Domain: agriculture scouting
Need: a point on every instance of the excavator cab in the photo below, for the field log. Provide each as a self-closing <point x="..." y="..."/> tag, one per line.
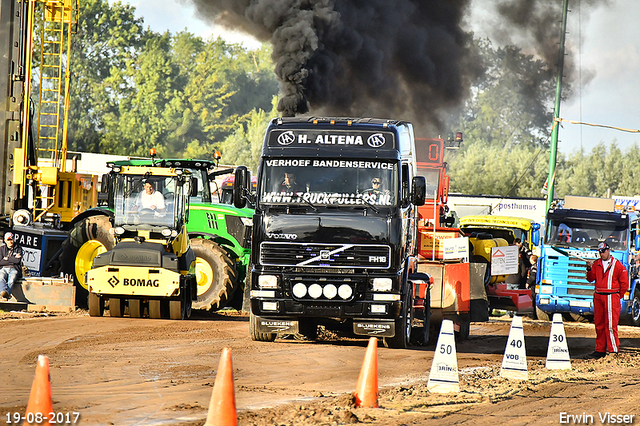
<point x="152" y="266"/>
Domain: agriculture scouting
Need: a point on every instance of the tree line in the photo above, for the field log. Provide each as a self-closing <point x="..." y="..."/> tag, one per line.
<point x="133" y="89"/>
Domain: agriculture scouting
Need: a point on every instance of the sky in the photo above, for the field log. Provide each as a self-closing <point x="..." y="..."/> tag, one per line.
<point x="607" y="46"/>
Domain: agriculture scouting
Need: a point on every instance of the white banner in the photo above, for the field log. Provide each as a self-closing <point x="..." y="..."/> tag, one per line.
<point x="504" y="260"/>
<point x="456" y="248"/>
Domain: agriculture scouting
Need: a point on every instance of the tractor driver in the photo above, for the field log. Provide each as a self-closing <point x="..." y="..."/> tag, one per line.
<point x="150" y="199"/>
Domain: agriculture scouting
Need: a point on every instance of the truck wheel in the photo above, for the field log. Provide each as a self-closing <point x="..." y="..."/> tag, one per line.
<point x="216" y="276"/>
<point x="135" y="308"/>
<point x="634" y="317"/>
<point x="96" y="305"/>
<point x="402" y="325"/>
<point x="256" y="335"/>
<point x="463" y="333"/>
<point x="421" y="335"/>
<point x="88" y="238"/>
<point x="542" y="315"/>
<point x="116" y="307"/>
<point x="426" y="322"/>
<point x="308" y="329"/>
<point x="578" y="318"/>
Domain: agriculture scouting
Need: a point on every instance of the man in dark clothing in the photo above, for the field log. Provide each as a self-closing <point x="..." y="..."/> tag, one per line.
<point x="10" y="261"/>
<point x="289" y="184"/>
<point x="611" y="283"/>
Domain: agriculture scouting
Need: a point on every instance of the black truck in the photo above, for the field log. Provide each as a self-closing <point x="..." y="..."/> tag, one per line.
<point x="335" y="229"/>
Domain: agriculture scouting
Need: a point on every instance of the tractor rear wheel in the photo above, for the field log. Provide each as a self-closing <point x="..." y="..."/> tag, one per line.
<point x="216" y="276"/>
<point x="88" y="238"/>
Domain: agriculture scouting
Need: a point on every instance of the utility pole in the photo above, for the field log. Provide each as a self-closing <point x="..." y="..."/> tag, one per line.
<point x="556" y="109"/>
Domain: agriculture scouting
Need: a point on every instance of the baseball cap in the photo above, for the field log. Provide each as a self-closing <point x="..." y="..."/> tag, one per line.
<point x="603" y="246"/>
<point x="8" y="235"/>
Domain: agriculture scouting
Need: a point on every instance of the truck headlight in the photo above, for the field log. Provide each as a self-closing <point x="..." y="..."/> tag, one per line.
<point x="315" y="290"/>
<point x="269" y="306"/>
<point x="378" y="309"/>
<point x="267" y="281"/>
<point x="546" y="289"/>
<point x="386" y="297"/>
<point x="299" y="290"/>
<point x="345" y="291"/>
<point x="330" y="291"/>
<point x="382" y="284"/>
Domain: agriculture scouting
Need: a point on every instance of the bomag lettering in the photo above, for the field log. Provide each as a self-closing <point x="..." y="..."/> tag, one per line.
<point x="140" y="282"/>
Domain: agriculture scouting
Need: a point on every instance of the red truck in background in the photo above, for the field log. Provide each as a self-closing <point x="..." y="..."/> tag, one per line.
<point x="457" y="291"/>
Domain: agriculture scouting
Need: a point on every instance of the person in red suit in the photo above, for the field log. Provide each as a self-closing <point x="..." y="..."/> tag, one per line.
<point x="611" y="283"/>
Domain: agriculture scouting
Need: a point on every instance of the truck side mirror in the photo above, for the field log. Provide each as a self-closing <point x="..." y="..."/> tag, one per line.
<point x="193" y="187"/>
<point x="418" y="190"/>
<point x="535" y="234"/>
<point x="240" y="187"/>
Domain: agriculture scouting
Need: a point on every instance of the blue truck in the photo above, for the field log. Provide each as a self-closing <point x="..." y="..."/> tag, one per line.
<point x="573" y="232"/>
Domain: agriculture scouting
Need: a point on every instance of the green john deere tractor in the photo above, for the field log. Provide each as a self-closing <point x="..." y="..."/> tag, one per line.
<point x="219" y="236"/>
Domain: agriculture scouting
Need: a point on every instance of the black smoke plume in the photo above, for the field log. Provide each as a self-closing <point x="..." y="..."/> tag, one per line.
<point x="535" y="25"/>
<point x="358" y="57"/>
<point x="406" y="58"/>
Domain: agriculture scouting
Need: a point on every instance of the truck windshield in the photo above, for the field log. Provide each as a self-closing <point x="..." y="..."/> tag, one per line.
<point x="329" y="182"/>
<point x="581" y="233"/>
<point x="145" y="201"/>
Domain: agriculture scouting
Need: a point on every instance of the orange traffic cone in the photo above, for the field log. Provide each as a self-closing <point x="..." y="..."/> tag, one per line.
<point x="40" y="404"/>
<point x="222" y="408"/>
<point x="367" y="387"/>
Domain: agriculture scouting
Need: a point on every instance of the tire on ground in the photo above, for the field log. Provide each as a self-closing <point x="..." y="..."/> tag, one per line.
<point x="256" y="335"/>
<point x="465" y="328"/>
<point x="216" y="276"/>
<point x="542" y="315"/>
<point x="88" y="238"/>
<point x="634" y="317"/>
<point x="402" y="337"/>
<point x="308" y="329"/>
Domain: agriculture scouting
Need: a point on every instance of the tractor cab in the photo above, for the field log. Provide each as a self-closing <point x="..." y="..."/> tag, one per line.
<point x="155" y="200"/>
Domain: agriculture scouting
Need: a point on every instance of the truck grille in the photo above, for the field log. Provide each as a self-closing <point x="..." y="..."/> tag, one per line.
<point x="313" y="255"/>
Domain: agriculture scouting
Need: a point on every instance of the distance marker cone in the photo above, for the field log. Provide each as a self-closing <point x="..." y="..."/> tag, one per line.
<point x="444" y="376"/>
<point x="367" y="387"/>
<point x="514" y="361"/>
<point x="222" y="408"/>
<point x="40" y="403"/>
<point x="558" y="350"/>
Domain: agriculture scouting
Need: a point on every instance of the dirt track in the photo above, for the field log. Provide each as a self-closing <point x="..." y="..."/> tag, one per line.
<point x="121" y="371"/>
